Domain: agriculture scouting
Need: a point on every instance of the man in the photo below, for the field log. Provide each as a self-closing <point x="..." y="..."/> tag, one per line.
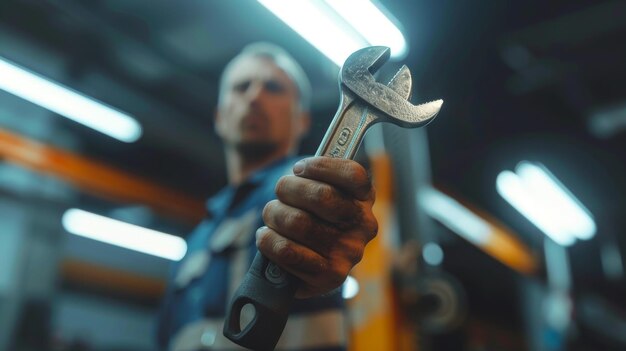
<point x="314" y="222"/>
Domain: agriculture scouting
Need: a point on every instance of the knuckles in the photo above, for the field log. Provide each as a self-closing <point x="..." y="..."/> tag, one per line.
<point x="286" y="219"/>
<point x="330" y="277"/>
<point x="285" y="252"/>
<point x="355" y="172"/>
<point x="321" y="193"/>
<point x="350" y="253"/>
<point x="336" y="277"/>
<point x="281" y="185"/>
<point x="277" y="247"/>
<point x="295" y="220"/>
<point x="344" y="228"/>
<point x="371" y="228"/>
<point x="356" y="255"/>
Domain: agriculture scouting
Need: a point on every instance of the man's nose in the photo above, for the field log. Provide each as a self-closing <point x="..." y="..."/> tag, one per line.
<point x="255" y="91"/>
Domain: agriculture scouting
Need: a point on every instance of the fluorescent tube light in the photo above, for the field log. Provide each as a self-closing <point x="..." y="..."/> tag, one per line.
<point x="371" y="23"/>
<point x="68" y="103"/>
<point x="338" y="28"/>
<point x="123" y="234"/>
<point x="557" y="200"/>
<point x="455" y="216"/>
<point x="512" y="189"/>
<point x="541" y="198"/>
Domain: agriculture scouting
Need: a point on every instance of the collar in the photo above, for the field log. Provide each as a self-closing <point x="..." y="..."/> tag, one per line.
<point x="217" y="203"/>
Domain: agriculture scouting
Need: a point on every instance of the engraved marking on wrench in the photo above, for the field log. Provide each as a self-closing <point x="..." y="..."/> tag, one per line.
<point x="343" y="136"/>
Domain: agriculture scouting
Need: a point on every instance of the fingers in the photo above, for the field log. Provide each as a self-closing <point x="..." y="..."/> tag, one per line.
<point x="316" y="252"/>
<point x="302" y="227"/>
<point x="321" y="199"/>
<point x="325" y="239"/>
<point x="319" y="225"/>
<point x="287" y="253"/>
<point x="347" y="175"/>
<point x="317" y="273"/>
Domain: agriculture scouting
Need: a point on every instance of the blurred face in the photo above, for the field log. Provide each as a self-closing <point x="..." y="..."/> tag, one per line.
<point x="259" y="110"/>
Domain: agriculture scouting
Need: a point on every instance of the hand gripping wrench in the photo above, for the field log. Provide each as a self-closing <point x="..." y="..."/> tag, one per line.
<point x="363" y="102"/>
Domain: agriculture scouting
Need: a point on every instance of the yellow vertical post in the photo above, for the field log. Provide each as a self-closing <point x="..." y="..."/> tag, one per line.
<point x="374" y="321"/>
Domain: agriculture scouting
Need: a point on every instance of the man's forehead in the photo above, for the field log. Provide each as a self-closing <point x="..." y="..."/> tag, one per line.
<point x="257" y="68"/>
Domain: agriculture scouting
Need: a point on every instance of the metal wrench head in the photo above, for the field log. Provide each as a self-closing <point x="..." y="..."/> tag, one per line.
<point x="356" y="75"/>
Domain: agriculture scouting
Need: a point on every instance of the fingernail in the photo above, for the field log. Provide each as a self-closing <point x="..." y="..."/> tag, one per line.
<point x="298" y="168"/>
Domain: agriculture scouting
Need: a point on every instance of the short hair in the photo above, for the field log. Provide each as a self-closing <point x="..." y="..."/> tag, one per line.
<point x="281" y="58"/>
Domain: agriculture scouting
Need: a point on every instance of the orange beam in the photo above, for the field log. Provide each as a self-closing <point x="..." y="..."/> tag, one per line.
<point x="503" y="244"/>
<point x="108" y="279"/>
<point x="505" y="247"/>
<point x="96" y="178"/>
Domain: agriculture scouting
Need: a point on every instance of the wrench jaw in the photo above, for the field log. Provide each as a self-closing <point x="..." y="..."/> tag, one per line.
<point x="355" y="115"/>
<point x="356" y="76"/>
<point x="362" y="64"/>
<point x="428" y="111"/>
<point x="422" y="114"/>
<point x="402" y="82"/>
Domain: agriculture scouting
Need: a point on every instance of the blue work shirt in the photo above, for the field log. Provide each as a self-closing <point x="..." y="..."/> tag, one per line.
<point x="219" y="252"/>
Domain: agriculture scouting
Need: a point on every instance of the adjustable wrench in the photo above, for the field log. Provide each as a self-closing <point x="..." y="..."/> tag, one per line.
<point x="364" y="102"/>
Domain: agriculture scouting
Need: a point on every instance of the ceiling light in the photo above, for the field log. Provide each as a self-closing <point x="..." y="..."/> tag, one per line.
<point x="338" y="28"/>
<point x="68" y="103"/>
<point x="557" y="200"/>
<point x="541" y="198"/>
<point x="367" y="19"/>
<point x="123" y="234"/>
